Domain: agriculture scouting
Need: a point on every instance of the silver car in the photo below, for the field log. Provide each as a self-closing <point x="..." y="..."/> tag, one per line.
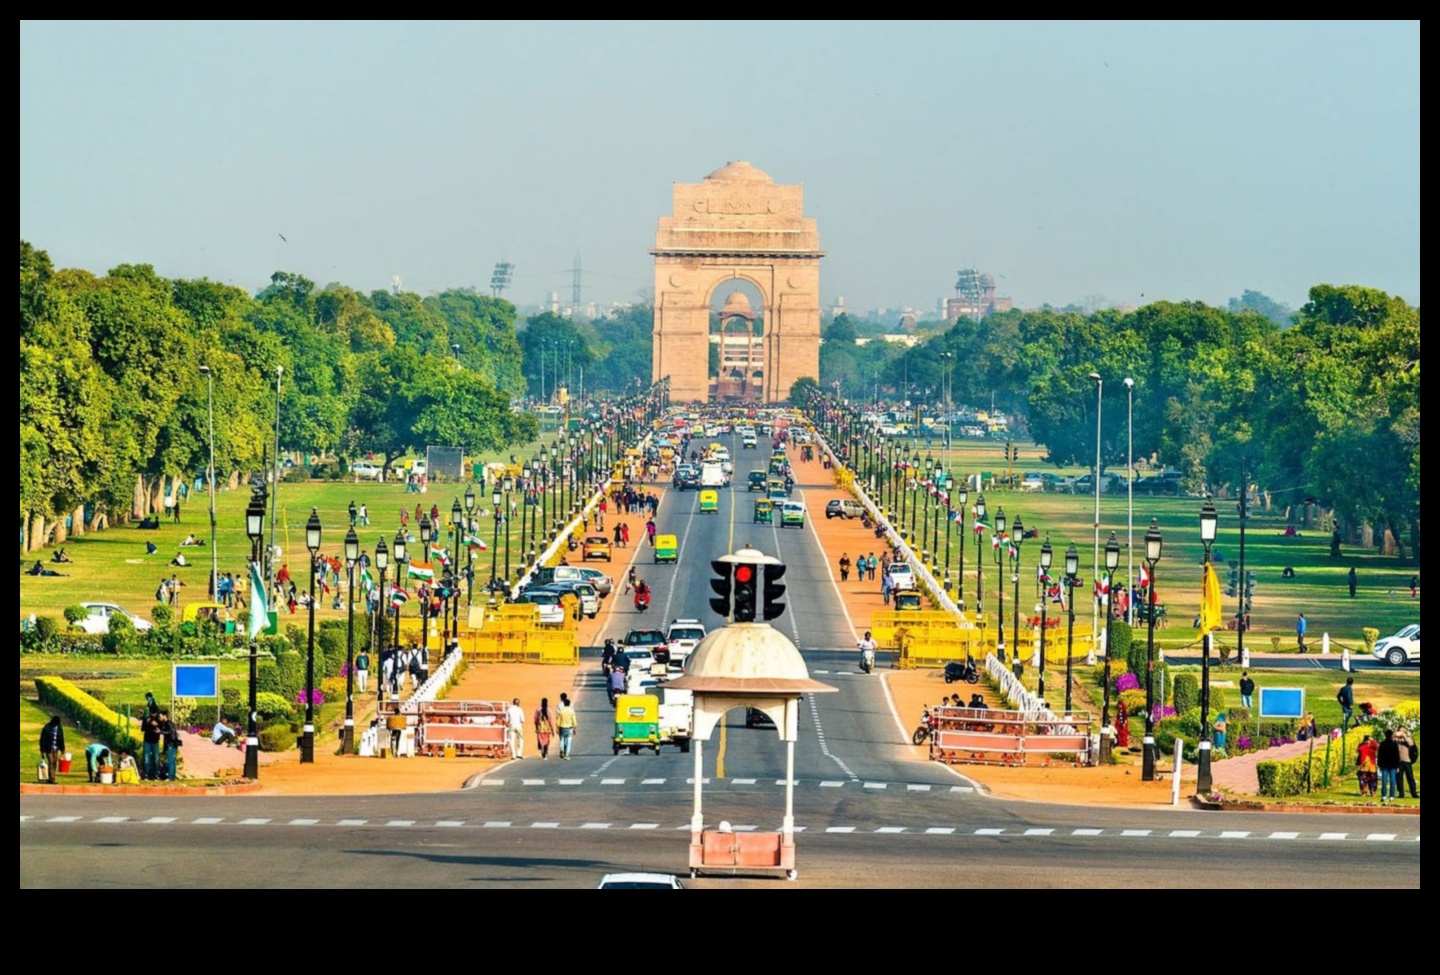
<point x="601" y="582"/>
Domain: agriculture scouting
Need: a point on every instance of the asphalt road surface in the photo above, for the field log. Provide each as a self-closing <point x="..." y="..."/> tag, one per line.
<point x="867" y="817"/>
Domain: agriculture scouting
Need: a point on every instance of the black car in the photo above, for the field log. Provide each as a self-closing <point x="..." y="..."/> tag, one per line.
<point x="756" y="481"/>
<point x="687" y="478"/>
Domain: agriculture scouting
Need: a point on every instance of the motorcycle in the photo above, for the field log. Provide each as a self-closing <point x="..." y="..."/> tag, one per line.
<point x="925" y="729"/>
<point x="967" y="672"/>
<point x="642" y="600"/>
<point x="867" y="659"/>
<point x="607" y="657"/>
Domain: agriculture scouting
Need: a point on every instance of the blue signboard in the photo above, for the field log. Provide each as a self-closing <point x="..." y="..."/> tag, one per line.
<point x="195" y="680"/>
<point x="1282" y="702"/>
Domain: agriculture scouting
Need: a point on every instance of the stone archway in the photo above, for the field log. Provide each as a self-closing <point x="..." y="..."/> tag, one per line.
<point x="736" y="224"/>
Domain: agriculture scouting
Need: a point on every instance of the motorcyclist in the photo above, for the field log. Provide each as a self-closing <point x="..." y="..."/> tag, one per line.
<point x="867" y="646"/>
<point x="617" y="682"/>
<point x="642" y="595"/>
<point x="607" y="656"/>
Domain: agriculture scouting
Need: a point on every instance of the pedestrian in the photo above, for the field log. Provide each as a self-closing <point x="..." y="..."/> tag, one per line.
<point x="362" y="670"/>
<point x="1367" y="769"/>
<point x="515" y="721"/>
<point x="885" y="588"/>
<point x="1220" y="729"/>
<point x="52" y="746"/>
<point x="870" y="565"/>
<point x="624" y="534"/>
<point x="170" y="743"/>
<point x="364" y="514"/>
<point x="567" y="723"/>
<point x="1351" y="579"/>
<point x="354" y="513"/>
<point x="1300" y="628"/>
<point x="1409" y="755"/>
<point x="150" y="746"/>
<point x="96" y="755"/>
<point x="1247" y="689"/>
<point x="844" y="567"/>
<point x="650" y="531"/>
<point x="1414" y="586"/>
<point x="544" y="727"/>
<point x="404" y="516"/>
<point x="1346" y="697"/>
<point x="1387" y="757"/>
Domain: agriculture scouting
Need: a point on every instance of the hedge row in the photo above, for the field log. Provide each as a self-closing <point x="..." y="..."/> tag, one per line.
<point x="1323" y="762"/>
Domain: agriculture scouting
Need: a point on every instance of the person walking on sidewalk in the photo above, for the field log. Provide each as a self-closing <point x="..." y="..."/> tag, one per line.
<point x="1409" y="755"/>
<point x="52" y="746"/>
<point x="515" y="721"/>
<point x="1247" y="688"/>
<point x="567" y="723"/>
<point x="544" y="727"/>
<point x="845" y="567"/>
<point x="1387" y="757"/>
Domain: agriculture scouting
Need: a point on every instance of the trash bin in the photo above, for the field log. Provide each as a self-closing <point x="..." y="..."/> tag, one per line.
<point x="65" y="763"/>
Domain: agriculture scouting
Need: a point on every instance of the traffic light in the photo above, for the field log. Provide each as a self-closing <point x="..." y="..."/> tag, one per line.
<point x="720" y="602"/>
<point x="1012" y="453"/>
<point x="772" y="592"/>
<point x="744" y="577"/>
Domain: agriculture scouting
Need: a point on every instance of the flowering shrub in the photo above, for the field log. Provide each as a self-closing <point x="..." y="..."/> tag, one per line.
<point x="1244" y="743"/>
<point x="317" y="697"/>
<point x="1162" y="711"/>
<point x="1127" y="682"/>
<point x="1277" y="741"/>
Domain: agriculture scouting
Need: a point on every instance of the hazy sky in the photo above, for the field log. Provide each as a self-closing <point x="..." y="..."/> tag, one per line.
<point x="1172" y="160"/>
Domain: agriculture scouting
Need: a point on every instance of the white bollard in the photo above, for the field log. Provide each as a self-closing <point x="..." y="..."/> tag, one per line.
<point x="1324" y="643"/>
<point x="1245" y="657"/>
<point x="1175" y="775"/>
<point x="1344" y="657"/>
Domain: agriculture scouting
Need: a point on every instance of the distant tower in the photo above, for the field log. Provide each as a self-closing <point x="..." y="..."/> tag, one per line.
<point x="500" y="278"/>
<point x="969" y="288"/>
<point x="575" y="283"/>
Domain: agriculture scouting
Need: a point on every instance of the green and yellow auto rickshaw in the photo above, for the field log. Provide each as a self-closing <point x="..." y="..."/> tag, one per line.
<point x="637" y="723"/>
<point x="764" y="511"/>
<point x="667" y="548"/>
<point x="709" y="502"/>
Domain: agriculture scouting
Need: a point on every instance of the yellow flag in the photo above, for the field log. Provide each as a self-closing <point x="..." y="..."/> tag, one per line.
<point x="1210" y="609"/>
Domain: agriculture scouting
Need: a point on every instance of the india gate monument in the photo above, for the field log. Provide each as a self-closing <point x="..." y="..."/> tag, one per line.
<point x="736" y="226"/>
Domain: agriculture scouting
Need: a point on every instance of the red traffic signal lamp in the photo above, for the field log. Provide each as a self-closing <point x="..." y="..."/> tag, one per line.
<point x="744" y="588"/>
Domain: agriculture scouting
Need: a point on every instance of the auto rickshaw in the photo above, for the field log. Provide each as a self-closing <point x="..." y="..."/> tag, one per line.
<point x="907" y="600"/>
<point x="667" y="548"/>
<point x="709" y="502"/>
<point x="637" y="723"/>
<point x="216" y="613"/>
<point x="764" y="511"/>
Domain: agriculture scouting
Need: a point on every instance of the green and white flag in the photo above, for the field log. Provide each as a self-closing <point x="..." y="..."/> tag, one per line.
<point x="367" y="582"/>
<point x="421" y="570"/>
<point x="259" y="602"/>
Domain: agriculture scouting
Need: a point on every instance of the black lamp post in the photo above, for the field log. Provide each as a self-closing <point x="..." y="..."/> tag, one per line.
<point x="307" y="741"/>
<point x="399" y="552"/>
<point x="928" y="497"/>
<point x="469" y="550"/>
<point x="1152" y="555"/>
<point x="553" y="525"/>
<point x="457" y="514"/>
<point x="528" y="497"/>
<point x="1107" y="733"/>
<point x="964" y="498"/>
<point x="1017" y="535"/>
<point x="426" y="533"/>
<point x="509" y="487"/>
<point x="495" y="500"/>
<point x="1000" y="586"/>
<point x="1072" y="575"/>
<point x="1047" y="556"/>
<point x="379" y="631"/>
<point x="979" y="563"/>
<point x="914" y="486"/>
<point x="255" y="529"/>
<point x="352" y="555"/>
<point x="1209" y="521"/>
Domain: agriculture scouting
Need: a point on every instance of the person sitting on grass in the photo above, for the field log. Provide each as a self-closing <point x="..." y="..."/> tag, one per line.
<point x="179" y="560"/>
<point x="127" y="773"/>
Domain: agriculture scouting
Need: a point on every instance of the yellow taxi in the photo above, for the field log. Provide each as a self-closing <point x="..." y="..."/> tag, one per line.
<point x="595" y="547"/>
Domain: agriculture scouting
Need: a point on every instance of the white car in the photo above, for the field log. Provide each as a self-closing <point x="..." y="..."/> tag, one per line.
<point x="683" y="637"/>
<point x="551" y="612"/>
<point x="367" y="470"/>
<point x="97" y="620"/>
<point x="640" y="881"/>
<point x="902" y="577"/>
<point x="1032" y="481"/>
<point x="1400" y="649"/>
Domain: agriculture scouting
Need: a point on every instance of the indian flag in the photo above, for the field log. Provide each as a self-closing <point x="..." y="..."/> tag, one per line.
<point x="980" y="527"/>
<point x="367" y="581"/>
<point x="259" y="604"/>
<point x="474" y="541"/>
<point x="421" y="570"/>
<point x="398" y="597"/>
<point x="440" y="553"/>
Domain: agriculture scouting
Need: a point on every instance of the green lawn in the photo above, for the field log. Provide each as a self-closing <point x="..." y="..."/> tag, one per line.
<point x="1318" y="590"/>
<point x="111" y="565"/>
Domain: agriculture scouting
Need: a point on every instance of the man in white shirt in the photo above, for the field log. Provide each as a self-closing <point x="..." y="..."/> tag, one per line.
<point x="515" y="721"/>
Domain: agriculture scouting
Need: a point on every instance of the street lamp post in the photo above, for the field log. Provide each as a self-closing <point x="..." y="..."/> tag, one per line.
<point x="979" y="562"/>
<point x="307" y="742"/>
<point x="1072" y="572"/>
<point x="1209" y="521"/>
<point x="1000" y="586"/>
<point x="1129" y="497"/>
<point x="210" y="477"/>
<point x="1099" y="407"/>
<point x="1047" y="556"/>
<point x="469" y="549"/>
<point x="456" y="515"/>
<point x="352" y="555"/>
<point x="426" y="533"/>
<point x="1017" y="535"/>
<point x="509" y="487"/>
<point x="1107" y="733"/>
<point x="255" y="530"/>
<point x="495" y="500"/>
<point x="964" y="498"/>
<point x="379" y="631"/>
<point x="398" y="549"/>
<point x="1152" y="555"/>
<point x="915" y="500"/>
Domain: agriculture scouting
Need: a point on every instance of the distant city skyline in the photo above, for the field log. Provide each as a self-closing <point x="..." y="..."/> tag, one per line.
<point x="1079" y="163"/>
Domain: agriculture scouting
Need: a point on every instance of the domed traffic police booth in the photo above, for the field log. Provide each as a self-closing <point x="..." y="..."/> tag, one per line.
<point x="746" y="665"/>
